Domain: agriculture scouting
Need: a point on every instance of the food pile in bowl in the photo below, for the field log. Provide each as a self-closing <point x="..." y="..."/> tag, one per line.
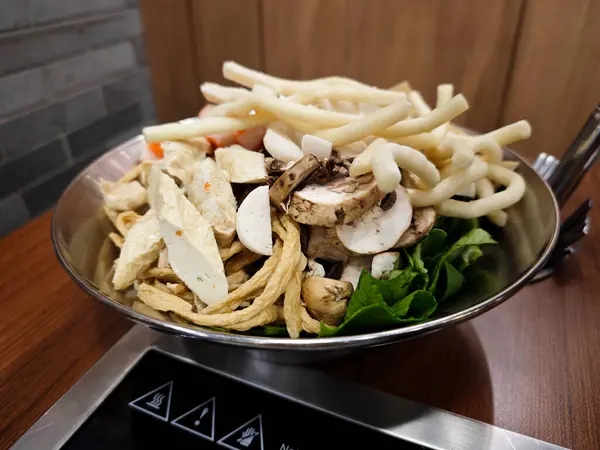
<point x="309" y="208"/>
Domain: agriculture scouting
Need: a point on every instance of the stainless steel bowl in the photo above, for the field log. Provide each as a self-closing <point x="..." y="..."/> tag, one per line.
<point x="80" y="229"/>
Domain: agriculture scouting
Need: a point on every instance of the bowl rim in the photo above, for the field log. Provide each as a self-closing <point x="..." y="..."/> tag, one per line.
<point x="303" y="343"/>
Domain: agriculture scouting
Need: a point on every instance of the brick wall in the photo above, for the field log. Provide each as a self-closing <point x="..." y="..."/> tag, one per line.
<point x="73" y="83"/>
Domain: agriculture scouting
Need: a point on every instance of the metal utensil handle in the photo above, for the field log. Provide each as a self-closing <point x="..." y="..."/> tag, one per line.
<point x="578" y="159"/>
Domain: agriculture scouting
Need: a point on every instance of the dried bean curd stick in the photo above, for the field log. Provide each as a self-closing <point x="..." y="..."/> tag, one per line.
<point x="125" y="220"/>
<point x="367" y="125"/>
<point x="116" y="239"/>
<point x="515" y="189"/>
<point x="269" y="315"/>
<point x="484" y="188"/>
<point x="250" y="287"/>
<point x="227" y="253"/>
<point x="309" y="324"/>
<point x="292" y="303"/>
<point x="275" y="287"/>
<point x="449" y="186"/>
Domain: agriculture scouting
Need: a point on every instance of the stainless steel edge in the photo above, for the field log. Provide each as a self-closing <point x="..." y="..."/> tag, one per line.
<point x="365" y="406"/>
<point x="68" y="413"/>
<point x="308" y="344"/>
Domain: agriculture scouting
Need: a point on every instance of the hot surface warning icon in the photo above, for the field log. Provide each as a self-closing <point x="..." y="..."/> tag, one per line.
<point x="156" y="403"/>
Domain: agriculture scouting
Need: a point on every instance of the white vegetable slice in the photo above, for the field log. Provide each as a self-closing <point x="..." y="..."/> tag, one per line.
<point x="242" y="166"/>
<point x="383" y="264"/>
<point x="378" y="230"/>
<point x="253" y="222"/>
<point x="123" y="196"/>
<point x="314" y="145"/>
<point x="192" y="248"/>
<point x="280" y="146"/>
<point x="141" y="248"/>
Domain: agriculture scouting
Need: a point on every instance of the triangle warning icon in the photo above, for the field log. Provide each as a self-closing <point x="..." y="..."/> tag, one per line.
<point x="155" y="403"/>
<point x="199" y="420"/>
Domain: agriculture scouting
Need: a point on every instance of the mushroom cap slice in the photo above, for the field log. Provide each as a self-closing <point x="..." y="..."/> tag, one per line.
<point x="326" y="299"/>
<point x="339" y="201"/>
<point x="354" y="268"/>
<point x="319" y="247"/>
<point x="421" y="224"/>
<point x="293" y="177"/>
<point x="378" y="229"/>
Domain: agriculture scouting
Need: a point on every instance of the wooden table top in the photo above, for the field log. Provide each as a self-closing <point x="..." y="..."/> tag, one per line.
<point x="531" y="365"/>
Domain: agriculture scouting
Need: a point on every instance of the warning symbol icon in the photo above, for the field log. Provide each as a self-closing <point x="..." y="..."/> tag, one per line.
<point x="156" y="403"/>
<point x="199" y="420"/>
<point x="248" y="436"/>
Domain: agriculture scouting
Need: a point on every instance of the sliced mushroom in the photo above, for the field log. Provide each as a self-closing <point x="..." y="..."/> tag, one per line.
<point x="276" y="166"/>
<point x="326" y="299"/>
<point x="315" y="269"/>
<point x="292" y="178"/>
<point x="338" y="202"/>
<point x="379" y="229"/>
<point x="319" y="247"/>
<point x="421" y="224"/>
<point x="354" y="268"/>
<point x="383" y="264"/>
<point x="334" y="240"/>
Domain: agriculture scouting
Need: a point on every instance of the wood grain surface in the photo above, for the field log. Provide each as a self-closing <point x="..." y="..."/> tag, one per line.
<point x="225" y="30"/>
<point x="382" y="42"/>
<point x="531" y="365"/>
<point x="555" y="81"/>
<point x="169" y="44"/>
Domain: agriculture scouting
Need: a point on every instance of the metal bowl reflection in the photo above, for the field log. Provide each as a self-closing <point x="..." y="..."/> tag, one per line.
<point x="80" y="229"/>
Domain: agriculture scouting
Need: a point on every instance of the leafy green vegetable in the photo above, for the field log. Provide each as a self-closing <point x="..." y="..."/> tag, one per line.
<point x="436" y="266"/>
<point x="454" y="280"/>
<point x="476" y="236"/>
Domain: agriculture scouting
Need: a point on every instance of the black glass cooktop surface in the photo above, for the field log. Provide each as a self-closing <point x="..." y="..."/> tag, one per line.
<point x="166" y="403"/>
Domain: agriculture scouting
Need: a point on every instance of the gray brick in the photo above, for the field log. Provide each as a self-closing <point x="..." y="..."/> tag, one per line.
<point x="23" y="91"/>
<point x="46" y="45"/>
<point x="41" y="197"/>
<point x="50" y="10"/>
<point x="127" y="90"/>
<point x="100" y="135"/>
<point x="140" y="51"/>
<point x="14" y="14"/>
<point x="90" y="69"/>
<point x="25" y="133"/>
<point x="84" y="109"/>
<point x="118" y="27"/>
<point x="14" y="214"/>
<point x="16" y="174"/>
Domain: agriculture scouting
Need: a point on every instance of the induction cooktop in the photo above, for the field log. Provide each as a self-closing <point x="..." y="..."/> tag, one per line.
<point x="157" y="391"/>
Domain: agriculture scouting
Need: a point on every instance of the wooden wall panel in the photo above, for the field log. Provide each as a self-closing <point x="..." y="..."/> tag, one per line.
<point x="169" y="47"/>
<point x="225" y="30"/>
<point x="555" y="82"/>
<point x="467" y="42"/>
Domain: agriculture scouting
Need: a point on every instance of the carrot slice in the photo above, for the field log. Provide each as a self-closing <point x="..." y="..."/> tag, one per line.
<point x="157" y="149"/>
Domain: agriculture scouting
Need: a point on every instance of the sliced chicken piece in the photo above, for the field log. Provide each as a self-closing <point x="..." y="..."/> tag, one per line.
<point x="179" y="160"/>
<point x="140" y="249"/>
<point x="211" y="193"/>
<point x="123" y="196"/>
<point x="339" y="201"/>
<point x="192" y="248"/>
<point x="242" y="166"/>
<point x="380" y="228"/>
